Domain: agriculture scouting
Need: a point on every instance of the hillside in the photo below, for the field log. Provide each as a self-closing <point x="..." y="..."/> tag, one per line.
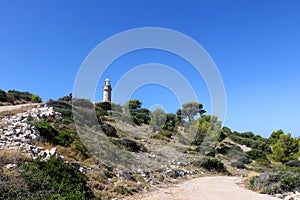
<point x="45" y="153"/>
<point x="14" y="97"/>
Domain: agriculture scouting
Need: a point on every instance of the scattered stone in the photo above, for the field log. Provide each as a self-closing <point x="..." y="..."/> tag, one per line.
<point x="11" y="166"/>
<point x="16" y="134"/>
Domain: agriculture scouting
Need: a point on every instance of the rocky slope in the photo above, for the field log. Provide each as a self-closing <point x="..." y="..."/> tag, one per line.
<point x="156" y="162"/>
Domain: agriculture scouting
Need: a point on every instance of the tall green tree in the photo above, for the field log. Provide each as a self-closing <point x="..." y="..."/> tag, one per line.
<point x="286" y="148"/>
<point x="191" y="109"/>
<point x="138" y="114"/>
<point x="133" y="104"/>
<point x="207" y="126"/>
<point x="274" y="137"/>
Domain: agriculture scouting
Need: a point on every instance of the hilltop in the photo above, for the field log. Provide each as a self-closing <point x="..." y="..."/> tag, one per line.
<point x="118" y="151"/>
<point x="15" y="97"/>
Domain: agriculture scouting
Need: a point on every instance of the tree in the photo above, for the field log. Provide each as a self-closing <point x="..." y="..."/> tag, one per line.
<point x="158" y="118"/>
<point x="138" y="114"/>
<point x="133" y="104"/>
<point x="170" y="122"/>
<point x="178" y="118"/>
<point x="66" y="98"/>
<point x="36" y="98"/>
<point x="3" y="97"/>
<point x="286" y="148"/>
<point x="208" y="126"/>
<point x="274" y="137"/>
<point x="191" y="109"/>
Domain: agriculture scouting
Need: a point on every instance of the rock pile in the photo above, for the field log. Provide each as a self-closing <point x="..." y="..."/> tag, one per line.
<point x="16" y="133"/>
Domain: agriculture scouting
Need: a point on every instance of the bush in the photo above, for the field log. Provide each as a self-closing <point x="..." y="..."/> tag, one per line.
<point x="3" y="97"/>
<point x="55" y="180"/>
<point x="293" y="163"/>
<point x="238" y="165"/>
<point x="223" y="149"/>
<point x="259" y="145"/>
<point x="109" y="130"/>
<point x="62" y="107"/>
<point x="211" y="164"/>
<point x="275" y="182"/>
<point x="53" y="135"/>
<point x="255" y="154"/>
<point x="244" y="160"/>
<point x="36" y="98"/>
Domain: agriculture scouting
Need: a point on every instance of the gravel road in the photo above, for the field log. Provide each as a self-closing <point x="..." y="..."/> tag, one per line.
<point x="206" y="188"/>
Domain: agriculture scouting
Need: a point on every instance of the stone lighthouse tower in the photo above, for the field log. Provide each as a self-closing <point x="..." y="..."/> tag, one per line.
<point x="107" y="91"/>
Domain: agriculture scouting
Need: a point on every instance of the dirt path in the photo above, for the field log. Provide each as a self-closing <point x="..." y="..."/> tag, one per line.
<point x="206" y="188"/>
<point x="12" y="110"/>
<point x="15" y="107"/>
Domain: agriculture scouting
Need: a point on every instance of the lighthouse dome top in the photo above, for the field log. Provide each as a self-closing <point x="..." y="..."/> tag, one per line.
<point x="107" y="81"/>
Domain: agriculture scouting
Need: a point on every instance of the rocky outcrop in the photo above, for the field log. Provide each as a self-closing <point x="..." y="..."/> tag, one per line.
<point x="17" y="134"/>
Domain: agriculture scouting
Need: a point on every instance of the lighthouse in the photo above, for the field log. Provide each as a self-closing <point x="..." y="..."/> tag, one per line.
<point x="107" y="91"/>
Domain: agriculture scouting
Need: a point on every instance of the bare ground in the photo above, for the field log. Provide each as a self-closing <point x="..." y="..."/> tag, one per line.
<point x="206" y="188"/>
<point x="14" y="109"/>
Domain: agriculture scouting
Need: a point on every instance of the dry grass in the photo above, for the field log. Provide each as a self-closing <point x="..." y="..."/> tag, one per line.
<point x="11" y="157"/>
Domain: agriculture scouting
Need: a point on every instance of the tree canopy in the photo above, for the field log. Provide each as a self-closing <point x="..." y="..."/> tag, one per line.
<point x="191" y="109"/>
<point x="286" y="148"/>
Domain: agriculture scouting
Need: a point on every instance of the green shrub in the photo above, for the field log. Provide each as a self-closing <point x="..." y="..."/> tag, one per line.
<point x="63" y="107"/>
<point x="55" y="180"/>
<point x="238" y="165"/>
<point x="260" y="145"/>
<point x="109" y="130"/>
<point x="223" y="149"/>
<point x="3" y="97"/>
<point x="244" y="160"/>
<point x="53" y="135"/>
<point x="36" y="98"/>
<point x="255" y="154"/>
<point x="211" y="164"/>
<point x="275" y="182"/>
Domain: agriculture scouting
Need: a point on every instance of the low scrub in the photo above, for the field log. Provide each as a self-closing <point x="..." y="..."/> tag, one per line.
<point x="211" y="164"/>
<point x="54" y="135"/>
<point x="63" y="107"/>
<point x="53" y="179"/>
<point x="274" y="182"/>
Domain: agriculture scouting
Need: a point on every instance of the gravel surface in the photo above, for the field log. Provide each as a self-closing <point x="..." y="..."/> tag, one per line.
<point x="206" y="188"/>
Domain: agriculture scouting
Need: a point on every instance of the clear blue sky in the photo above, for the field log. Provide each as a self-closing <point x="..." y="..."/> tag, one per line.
<point x="255" y="44"/>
